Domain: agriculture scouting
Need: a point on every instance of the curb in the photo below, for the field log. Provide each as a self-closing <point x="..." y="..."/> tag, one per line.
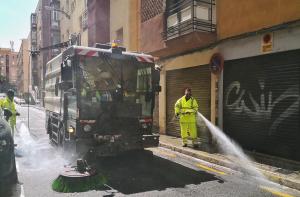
<point x="222" y="161"/>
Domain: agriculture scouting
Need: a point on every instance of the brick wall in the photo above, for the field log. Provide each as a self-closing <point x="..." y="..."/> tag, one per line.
<point x="151" y="8"/>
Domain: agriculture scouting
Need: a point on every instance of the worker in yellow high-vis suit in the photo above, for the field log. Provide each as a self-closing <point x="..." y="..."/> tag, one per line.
<point x="8" y="103"/>
<point x="186" y="109"/>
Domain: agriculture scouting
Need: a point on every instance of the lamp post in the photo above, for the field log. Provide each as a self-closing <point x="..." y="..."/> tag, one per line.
<point x="57" y="10"/>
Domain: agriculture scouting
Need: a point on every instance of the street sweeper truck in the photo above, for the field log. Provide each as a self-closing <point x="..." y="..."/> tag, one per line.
<point x="101" y="99"/>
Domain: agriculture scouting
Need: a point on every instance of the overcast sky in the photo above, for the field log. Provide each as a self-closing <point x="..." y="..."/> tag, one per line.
<point x="15" y="21"/>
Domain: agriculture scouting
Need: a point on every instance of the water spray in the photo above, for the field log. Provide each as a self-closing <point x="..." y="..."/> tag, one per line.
<point x="229" y="147"/>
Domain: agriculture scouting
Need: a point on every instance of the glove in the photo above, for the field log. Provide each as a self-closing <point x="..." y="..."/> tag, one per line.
<point x="18" y="114"/>
<point x="177" y="115"/>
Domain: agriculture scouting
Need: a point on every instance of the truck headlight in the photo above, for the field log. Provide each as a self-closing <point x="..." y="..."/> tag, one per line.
<point x="87" y="128"/>
<point x="71" y="130"/>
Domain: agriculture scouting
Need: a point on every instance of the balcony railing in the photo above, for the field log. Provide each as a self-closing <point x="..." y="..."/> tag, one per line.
<point x="187" y="16"/>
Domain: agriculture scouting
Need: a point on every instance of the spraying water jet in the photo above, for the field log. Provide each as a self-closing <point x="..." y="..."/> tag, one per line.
<point x="229" y="147"/>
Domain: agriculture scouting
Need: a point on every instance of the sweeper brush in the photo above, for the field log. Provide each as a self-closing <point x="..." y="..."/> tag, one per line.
<point x="78" y="178"/>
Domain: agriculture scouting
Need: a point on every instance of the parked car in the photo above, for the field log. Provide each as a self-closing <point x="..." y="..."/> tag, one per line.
<point x="37" y="102"/>
<point x="16" y="100"/>
<point x="22" y="101"/>
<point x="19" y="101"/>
<point x="8" y="172"/>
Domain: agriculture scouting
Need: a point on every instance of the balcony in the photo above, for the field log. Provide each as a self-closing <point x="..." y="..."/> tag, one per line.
<point x="33" y="20"/>
<point x="187" y="16"/>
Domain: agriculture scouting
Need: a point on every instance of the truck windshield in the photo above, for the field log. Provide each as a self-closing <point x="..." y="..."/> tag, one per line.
<point x="105" y="80"/>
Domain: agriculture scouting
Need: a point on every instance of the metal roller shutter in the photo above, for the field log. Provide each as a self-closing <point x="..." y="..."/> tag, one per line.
<point x="197" y="78"/>
<point x="261" y="103"/>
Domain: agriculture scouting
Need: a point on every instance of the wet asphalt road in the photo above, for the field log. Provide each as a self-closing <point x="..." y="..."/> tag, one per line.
<point x="155" y="172"/>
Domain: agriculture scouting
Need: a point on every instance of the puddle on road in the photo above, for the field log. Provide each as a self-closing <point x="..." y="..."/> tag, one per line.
<point x="137" y="172"/>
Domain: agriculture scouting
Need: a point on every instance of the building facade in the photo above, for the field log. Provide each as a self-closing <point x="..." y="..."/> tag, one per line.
<point x="74" y="21"/>
<point x="174" y="31"/>
<point x="89" y="20"/>
<point x="8" y="67"/>
<point x="23" y="67"/>
<point x="124" y="23"/>
<point x="256" y="96"/>
<point x="98" y="22"/>
<point x="45" y="32"/>
<point x="12" y="74"/>
<point x="4" y="63"/>
<point x="259" y="100"/>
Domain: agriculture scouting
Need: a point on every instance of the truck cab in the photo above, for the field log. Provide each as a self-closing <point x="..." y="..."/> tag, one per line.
<point x="101" y="100"/>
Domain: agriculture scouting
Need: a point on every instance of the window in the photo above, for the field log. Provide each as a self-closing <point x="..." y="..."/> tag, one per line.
<point x="40" y="36"/>
<point x="56" y="38"/>
<point x="33" y="18"/>
<point x="68" y="34"/>
<point x="73" y="6"/>
<point x="172" y="20"/>
<point x="67" y="6"/>
<point x="186" y="14"/>
<point x="202" y="12"/>
<point x="182" y="16"/>
<point x="55" y="16"/>
<point x="119" y="35"/>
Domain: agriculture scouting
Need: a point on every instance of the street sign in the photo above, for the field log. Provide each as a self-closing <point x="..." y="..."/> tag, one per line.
<point x="216" y="63"/>
<point x="267" y="43"/>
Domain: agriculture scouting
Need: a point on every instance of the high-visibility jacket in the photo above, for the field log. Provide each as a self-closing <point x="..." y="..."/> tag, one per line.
<point x="10" y="105"/>
<point x="85" y="93"/>
<point x="186" y="109"/>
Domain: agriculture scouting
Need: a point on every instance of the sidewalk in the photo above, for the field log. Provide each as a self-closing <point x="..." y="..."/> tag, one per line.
<point x="34" y="106"/>
<point x="282" y="171"/>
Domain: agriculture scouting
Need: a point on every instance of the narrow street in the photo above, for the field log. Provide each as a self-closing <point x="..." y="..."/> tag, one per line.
<point x="155" y="172"/>
<point x="149" y="98"/>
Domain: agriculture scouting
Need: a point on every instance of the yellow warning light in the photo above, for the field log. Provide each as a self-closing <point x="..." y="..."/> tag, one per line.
<point x="114" y="45"/>
<point x="71" y="130"/>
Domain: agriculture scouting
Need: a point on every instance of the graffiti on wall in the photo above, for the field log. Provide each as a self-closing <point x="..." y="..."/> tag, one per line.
<point x="261" y="109"/>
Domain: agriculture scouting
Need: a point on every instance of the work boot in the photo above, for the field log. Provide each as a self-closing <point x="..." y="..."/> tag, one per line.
<point x="184" y="145"/>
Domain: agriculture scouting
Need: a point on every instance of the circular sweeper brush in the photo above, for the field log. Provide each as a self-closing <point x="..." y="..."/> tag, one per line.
<point x="78" y="178"/>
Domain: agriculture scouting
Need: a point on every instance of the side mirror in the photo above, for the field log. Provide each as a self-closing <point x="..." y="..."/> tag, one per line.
<point x="156" y="75"/>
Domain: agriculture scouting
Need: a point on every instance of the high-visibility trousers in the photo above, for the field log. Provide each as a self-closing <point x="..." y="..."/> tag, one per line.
<point x="188" y="131"/>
